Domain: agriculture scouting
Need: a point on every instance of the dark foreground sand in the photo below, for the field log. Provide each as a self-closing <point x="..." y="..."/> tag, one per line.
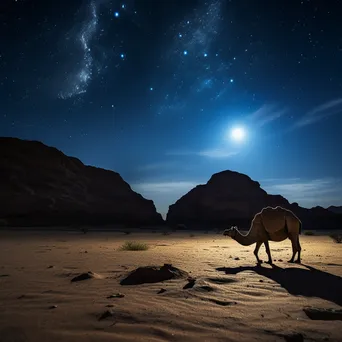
<point x="231" y="299"/>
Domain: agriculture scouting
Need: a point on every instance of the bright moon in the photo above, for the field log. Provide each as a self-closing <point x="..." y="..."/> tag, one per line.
<point x="238" y="134"/>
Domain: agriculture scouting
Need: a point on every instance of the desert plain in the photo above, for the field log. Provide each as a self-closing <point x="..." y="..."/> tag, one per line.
<point x="222" y="296"/>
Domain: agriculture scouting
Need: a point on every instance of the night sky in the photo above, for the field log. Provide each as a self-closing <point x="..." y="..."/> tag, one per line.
<point x="152" y="89"/>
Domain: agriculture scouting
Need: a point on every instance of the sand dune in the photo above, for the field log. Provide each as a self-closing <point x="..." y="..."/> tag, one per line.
<point x="218" y="294"/>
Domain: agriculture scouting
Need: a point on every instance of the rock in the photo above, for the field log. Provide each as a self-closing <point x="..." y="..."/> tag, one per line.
<point x="85" y="276"/>
<point x="106" y="314"/>
<point x="161" y="291"/>
<point x="335" y="209"/>
<point x="231" y="198"/>
<point x="41" y="186"/>
<point x="323" y="314"/>
<point x="237" y="258"/>
<point x="295" y="337"/>
<point x="190" y="284"/>
<point x="153" y="274"/>
<point x="53" y="307"/>
<point x="116" y="295"/>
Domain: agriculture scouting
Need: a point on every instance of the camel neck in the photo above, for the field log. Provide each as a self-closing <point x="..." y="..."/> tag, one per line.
<point x="245" y="240"/>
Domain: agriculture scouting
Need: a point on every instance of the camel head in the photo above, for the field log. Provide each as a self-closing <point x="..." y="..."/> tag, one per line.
<point x="230" y="232"/>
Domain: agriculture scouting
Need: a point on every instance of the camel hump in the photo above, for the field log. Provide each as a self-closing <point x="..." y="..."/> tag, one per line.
<point x="273" y="219"/>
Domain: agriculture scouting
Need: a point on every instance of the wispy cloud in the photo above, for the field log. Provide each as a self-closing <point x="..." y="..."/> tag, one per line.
<point x="266" y="114"/>
<point x="164" y="187"/>
<point x="216" y="153"/>
<point x="318" y="113"/>
<point x="308" y="193"/>
<point x="159" y="165"/>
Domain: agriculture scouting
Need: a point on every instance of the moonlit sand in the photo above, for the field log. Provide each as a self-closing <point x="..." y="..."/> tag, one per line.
<point x="221" y="296"/>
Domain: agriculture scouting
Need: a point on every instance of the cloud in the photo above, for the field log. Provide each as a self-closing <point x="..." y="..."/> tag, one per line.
<point x="266" y="114"/>
<point x="318" y="113"/>
<point x="308" y="193"/>
<point x="218" y="153"/>
<point x="158" y="165"/>
<point x="164" y="187"/>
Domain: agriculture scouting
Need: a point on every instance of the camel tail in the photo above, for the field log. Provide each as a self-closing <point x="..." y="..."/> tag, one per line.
<point x="300" y="226"/>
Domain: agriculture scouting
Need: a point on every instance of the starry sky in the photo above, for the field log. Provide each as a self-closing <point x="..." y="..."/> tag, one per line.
<point x="151" y="89"/>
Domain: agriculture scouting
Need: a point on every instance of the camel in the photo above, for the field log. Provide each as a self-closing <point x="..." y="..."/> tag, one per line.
<point x="271" y="224"/>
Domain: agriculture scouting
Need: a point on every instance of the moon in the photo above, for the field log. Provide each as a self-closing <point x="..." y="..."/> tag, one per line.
<point x="238" y="134"/>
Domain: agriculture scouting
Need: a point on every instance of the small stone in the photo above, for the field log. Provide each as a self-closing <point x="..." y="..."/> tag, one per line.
<point x="53" y="307"/>
<point x="237" y="258"/>
<point x="161" y="291"/>
<point x="116" y="295"/>
<point x="106" y="314"/>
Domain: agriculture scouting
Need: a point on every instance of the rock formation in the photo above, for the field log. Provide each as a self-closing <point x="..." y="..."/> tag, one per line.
<point x="231" y="198"/>
<point x="41" y="186"/>
<point x="335" y="209"/>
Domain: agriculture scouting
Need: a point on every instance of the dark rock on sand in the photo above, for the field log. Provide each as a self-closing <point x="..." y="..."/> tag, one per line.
<point x="85" y="276"/>
<point x="116" y="295"/>
<point x="153" y="274"/>
<point x="190" y="284"/>
<point x="295" y="337"/>
<point x="323" y="314"/>
<point x="106" y="314"/>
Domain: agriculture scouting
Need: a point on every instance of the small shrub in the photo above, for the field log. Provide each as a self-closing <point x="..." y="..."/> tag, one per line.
<point x="134" y="246"/>
<point x="166" y="232"/>
<point x="127" y="232"/>
<point x="309" y="233"/>
<point x="337" y="238"/>
<point x="192" y="235"/>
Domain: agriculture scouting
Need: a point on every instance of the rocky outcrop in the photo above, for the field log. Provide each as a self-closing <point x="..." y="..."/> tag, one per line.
<point x="232" y="198"/>
<point x="335" y="209"/>
<point x="41" y="186"/>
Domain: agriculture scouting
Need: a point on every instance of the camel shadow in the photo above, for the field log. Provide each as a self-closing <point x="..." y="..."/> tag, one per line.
<point x="309" y="282"/>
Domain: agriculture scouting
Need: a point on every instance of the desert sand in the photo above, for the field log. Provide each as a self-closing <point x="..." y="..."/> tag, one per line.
<point x="228" y="299"/>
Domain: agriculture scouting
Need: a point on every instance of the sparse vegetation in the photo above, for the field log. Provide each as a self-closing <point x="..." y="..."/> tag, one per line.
<point x="165" y="232"/>
<point x="134" y="246"/>
<point x="337" y="238"/>
<point x="192" y="235"/>
<point x="309" y="233"/>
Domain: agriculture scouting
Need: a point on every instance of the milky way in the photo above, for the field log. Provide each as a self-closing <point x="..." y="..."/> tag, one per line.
<point x="78" y="82"/>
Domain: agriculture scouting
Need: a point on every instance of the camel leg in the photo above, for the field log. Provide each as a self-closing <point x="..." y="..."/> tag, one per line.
<point x="256" y="251"/>
<point x="294" y="248"/>
<point x="299" y="249"/>
<point x="267" y="246"/>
